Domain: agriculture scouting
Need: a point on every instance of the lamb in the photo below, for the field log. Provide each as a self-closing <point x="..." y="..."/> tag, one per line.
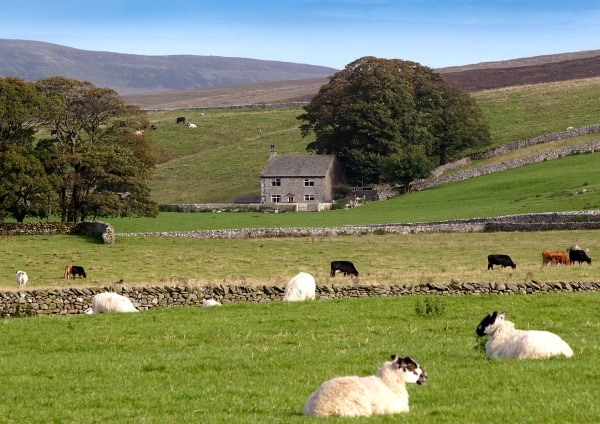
<point x="111" y="302"/>
<point x="210" y="302"/>
<point x="383" y="393"/>
<point x="506" y="342"/>
<point x="190" y="125"/>
<point x="300" y="287"/>
<point x="21" y="279"/>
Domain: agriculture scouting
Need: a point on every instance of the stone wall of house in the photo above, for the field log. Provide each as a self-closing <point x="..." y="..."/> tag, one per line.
<point x="104" y="230"/>
<point x="72" y="301"/>
<point x="572" y="132"/>
<point x="578" y="220"/>
<point x="502" y="166"/>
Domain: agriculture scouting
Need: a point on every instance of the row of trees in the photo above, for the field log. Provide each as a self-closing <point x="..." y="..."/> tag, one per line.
<point x="392" y="121"/>
<point x="68" y="147"/>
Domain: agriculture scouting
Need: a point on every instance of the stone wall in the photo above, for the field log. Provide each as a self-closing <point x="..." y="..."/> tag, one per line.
<point x="104" y="230"/>
<point x="577" y="220"/>
<point x="72" y="301"/>
<point x="573" y="132"/>
<point x="253" y="106"/>
<point x="502" y="166"/>
<point x="461" y="163"/>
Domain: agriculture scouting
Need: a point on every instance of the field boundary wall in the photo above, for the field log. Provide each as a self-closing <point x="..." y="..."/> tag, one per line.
<point x="252" y="106"/>
<point x="73" y="301"/>
<point x="105" y="231"/>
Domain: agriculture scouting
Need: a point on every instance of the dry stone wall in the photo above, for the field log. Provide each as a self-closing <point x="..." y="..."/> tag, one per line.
<point x="72" y="301"/>
<point x="252" y="106"/>
<point x="106" y="231"/>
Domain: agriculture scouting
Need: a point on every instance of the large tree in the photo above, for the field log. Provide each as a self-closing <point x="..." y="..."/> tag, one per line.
<point x="377" y="108"/>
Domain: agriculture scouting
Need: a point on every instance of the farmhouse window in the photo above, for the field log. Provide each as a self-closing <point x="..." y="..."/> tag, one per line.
<point x="276" y="198"/>
<point x="276" y="182"/>
<point x="309" y="197"/>
<point x="309" y="183"/>
<point x="290" y="199"/>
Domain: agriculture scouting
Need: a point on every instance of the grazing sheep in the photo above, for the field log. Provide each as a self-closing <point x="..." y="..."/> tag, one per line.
<point x="574" y="247"/>
<point x="111" y="302"/>
<point x="300" y="287"/>
<point x="506" y="342"/>
<point x="570" y="128"/>
<point x="190" y="125"/>
<point x="383" y="393"/>
<point x="210" y="302"/>
<point x="139" y="132"/>
<point x="201" y="114"/>
<point x="21" y="279"/>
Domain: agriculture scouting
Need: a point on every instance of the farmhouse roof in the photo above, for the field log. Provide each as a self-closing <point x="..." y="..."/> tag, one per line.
<point x="298" y="166"/>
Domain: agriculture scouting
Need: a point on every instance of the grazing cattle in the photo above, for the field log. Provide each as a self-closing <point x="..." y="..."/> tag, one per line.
<point x="153" y="127"/>
<point x="346" y="267"/>
<point x="502" y="260"/>
<point x="78" y="270"/>
<point x="68" y="272"/>
<point x="555" y="257"/>
<point x="21" y="279"/>
<point x="180" y="120"/>
<point x="579" y="256"/>
<point x="190" y="125"/>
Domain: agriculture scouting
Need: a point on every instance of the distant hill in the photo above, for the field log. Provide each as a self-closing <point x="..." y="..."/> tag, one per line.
<point x="129" y="73"/>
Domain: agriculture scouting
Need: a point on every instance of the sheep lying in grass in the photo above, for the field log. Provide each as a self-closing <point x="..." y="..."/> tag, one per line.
<point x="111" y="302"/>
<point x="21" y="279"/>
<point x="210" y="302"/>
<point x="300" y="287"/>
<point x="506" y="342"/>
<point x="383" y="393"/>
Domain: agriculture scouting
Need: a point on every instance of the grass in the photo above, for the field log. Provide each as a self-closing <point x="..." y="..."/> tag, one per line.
<point x="223" y="157"/>
<point x="258" y="363"/>
<point x="381" y="259"/>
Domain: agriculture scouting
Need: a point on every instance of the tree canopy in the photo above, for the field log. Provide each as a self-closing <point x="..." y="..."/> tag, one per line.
<point x="93" y="166"/>
<point x="390" y="108"/>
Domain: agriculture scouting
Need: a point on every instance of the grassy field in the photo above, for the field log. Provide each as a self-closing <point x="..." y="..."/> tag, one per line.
<point x="258" y="363"/>
<point x="223" y="157"/>
<point x="389" y="259"/>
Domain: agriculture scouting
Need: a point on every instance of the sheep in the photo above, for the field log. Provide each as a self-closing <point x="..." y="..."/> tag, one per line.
<point x="300" y="287"/>
<point x="570" y="128"/>
<point x="111" y="302"/>
<point x="210" y="302"/>
<point x="190" y="125"/>
<point x="506" y="342"/>
<point x="21" y="279"/>
<point x="574" y="247"/>
<point x="139" y="132"/>
<point x="383" y="393"/>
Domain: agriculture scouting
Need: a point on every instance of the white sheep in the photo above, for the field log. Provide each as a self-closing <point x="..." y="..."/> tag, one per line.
<point x="506" y="342"/>
<point x="383" y="393"/>
<point x="21" y="279"/>
<point x="111" y="302"/>
<point x="190" y="125"/>
<point x="210" y="302"/>
<point x="300" y="287"/>
<point x="574" y="247"/>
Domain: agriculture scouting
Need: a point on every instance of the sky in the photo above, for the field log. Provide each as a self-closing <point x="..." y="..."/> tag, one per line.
<point x="435" y="33"/>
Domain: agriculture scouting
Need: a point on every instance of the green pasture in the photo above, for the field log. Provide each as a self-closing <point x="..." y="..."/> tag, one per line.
<point x="380" y="259"/>
<point x="223" y="157"/>
<point x="258" y="363"/>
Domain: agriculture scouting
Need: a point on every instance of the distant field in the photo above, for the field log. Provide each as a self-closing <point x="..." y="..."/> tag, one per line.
<point x="258" y="363"/>
<point x="223" y="157"/>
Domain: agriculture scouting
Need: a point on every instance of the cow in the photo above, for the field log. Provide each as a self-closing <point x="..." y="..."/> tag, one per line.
<point x="78" y="270"/>
<point x="180" y="120"/>
<point x="555" y="257"/>
<point x="67" y="272"/>
<point x="579" y="256"/>
<point x="502" y="260"/>
<point x="346" y="267"/>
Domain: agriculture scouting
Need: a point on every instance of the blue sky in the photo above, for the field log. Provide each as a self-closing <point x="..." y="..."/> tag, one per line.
<point x="436" y="33"/>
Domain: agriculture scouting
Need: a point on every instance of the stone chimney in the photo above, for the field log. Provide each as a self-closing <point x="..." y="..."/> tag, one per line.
<point x="273" y="152"/>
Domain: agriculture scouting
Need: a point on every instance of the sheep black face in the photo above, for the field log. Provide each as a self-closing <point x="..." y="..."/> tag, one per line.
<point x="485" y="326"/>
<point x="414" y="373"/>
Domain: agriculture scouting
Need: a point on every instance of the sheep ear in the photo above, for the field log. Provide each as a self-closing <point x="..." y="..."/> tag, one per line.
<point x="394" y="357"/>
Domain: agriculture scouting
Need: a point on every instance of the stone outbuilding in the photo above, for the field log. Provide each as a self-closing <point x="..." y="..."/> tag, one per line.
<point x="299" y="182"/>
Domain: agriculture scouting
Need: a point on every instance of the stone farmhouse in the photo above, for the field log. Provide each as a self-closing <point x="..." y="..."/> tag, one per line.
<point x="299" y="182"/>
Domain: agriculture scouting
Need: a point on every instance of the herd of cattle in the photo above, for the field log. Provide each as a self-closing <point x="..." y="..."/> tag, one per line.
<point x="553" y="257"/>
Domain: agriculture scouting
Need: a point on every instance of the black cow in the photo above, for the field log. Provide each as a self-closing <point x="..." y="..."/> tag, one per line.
<point x="346" y="267"/>
<point x="78" y="270"/>
<point x="579" y="256"/>
<point x="503" y="260"/>
<point x="180" y="120"/>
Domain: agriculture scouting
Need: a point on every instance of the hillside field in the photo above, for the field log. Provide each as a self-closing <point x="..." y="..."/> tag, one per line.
<point x="223" y="157"/>
<point x="258" y="363"/>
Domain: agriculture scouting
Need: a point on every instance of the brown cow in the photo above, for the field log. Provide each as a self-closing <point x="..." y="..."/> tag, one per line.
<point x="67" y="271"/>
<point x="555" y="257"/>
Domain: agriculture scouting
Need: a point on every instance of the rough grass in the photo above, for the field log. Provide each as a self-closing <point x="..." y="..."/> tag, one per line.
<point x="380" y="259"/>
<point x="258" y="363"/>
